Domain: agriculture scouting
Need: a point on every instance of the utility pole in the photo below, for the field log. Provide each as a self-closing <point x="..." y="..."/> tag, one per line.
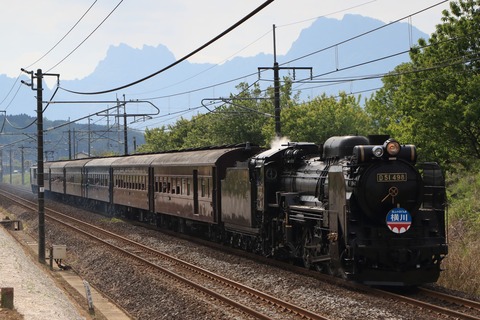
<point x="11" y="170"/>
<point x="40" y="180"/>
<point x="1" y="165"/>
<point x="89" y="137"/>
<point x="23" y="167"/>
<point x="125" y="134"/>
<point x="74" y="146"/>
<point x="69" y="141"/>
<point x="69" y="144"/>
<point x="276" y="83"/>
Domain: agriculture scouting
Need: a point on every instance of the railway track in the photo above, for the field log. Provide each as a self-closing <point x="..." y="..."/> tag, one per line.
<point x="233" y="294"/>
<point x="435" y="302"/>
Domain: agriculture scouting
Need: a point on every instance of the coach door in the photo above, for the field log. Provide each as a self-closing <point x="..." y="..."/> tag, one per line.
<point x="151" y="189"/>
<point x="195" y="191"/>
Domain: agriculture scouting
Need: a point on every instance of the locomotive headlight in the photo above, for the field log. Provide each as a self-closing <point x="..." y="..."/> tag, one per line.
<point x="377" y="151"/>
<point x="392" y="147"/>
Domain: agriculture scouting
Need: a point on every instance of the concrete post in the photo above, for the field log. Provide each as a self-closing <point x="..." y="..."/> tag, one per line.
<point x="7" y="298"/>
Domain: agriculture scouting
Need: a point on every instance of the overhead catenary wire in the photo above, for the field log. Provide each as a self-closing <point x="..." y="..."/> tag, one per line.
<point x="363" y="34"/>
<point x="236" y="78"/>
<point x="334" y="81"/>
<point x="61" y="39"/>
<point x="310" y="54"/>
<point x="91" y="33"/>
<point x="234" y="26"/>
<point x="236" y="53"/>
<point x="44" y="55"/>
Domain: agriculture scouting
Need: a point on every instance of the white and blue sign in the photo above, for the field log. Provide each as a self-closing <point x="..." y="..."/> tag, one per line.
<point x="399" y="220"/>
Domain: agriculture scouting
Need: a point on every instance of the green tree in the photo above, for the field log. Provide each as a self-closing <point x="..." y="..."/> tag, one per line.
<point x="432" y="101"/>
<point x="156" y="139"/>
<point x="323" y="117"/>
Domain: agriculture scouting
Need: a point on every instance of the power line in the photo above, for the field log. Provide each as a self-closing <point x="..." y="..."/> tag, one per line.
<point x="58" y="42"/>
<point x="364" y="33"/>
<point x="91" y="33"/>
<point x="266" y="3"/>
<point x="68" y="32"/>
<point x="236" y="53"/>
<point x="310" y="54"/>
<point x="328" y="14"/>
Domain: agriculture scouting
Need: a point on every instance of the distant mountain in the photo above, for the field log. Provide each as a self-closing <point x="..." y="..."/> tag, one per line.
<point x="124" y="65"/>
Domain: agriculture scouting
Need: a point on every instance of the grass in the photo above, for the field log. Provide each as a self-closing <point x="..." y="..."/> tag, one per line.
<point x="111" y="220"/>
<point x="462" y="272"/>
<point x="17" y="178"/>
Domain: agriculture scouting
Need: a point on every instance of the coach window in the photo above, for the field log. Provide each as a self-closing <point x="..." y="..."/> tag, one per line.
<point x="202" y="194"/>
<point x="208" y="187"/>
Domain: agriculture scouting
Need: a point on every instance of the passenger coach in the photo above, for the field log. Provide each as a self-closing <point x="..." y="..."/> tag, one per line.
<point x="148" y="187"/>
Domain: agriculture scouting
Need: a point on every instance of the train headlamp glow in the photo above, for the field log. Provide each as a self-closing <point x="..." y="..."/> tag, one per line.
<point x="392" y="147"/>
<point x="377" y="151"/>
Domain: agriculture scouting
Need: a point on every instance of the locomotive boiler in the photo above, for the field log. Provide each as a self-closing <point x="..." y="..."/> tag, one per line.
<point x="357" y="207"/>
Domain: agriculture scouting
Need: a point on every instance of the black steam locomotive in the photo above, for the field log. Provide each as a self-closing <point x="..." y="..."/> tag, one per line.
<point x="357" y="207"/>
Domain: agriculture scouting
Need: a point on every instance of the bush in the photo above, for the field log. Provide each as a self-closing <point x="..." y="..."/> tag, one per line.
<point x="462" y="272"/>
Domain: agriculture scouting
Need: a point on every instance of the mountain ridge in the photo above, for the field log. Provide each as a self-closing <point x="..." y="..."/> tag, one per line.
<point x="180" y="88"/>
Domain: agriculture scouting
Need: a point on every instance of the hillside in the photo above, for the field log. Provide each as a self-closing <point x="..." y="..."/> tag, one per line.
<point x="19" y="137"/>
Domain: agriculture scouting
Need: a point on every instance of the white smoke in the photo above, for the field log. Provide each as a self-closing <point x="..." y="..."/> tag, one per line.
<point x="277" y="142"/>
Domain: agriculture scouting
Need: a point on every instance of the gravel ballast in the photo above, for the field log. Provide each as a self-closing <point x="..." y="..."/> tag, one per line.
<point x="147" y="296"/>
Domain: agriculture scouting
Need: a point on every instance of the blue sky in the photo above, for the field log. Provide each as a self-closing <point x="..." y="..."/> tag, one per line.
<point x="31" y="28"/>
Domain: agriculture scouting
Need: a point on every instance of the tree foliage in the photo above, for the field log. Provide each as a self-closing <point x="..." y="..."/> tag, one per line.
<point x="323" y="117"/>
<point x="432" y="101"/>
<point x="248" y="116"/>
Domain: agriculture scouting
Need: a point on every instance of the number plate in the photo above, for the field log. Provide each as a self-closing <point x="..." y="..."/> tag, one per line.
<point x="391" y="177"/>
